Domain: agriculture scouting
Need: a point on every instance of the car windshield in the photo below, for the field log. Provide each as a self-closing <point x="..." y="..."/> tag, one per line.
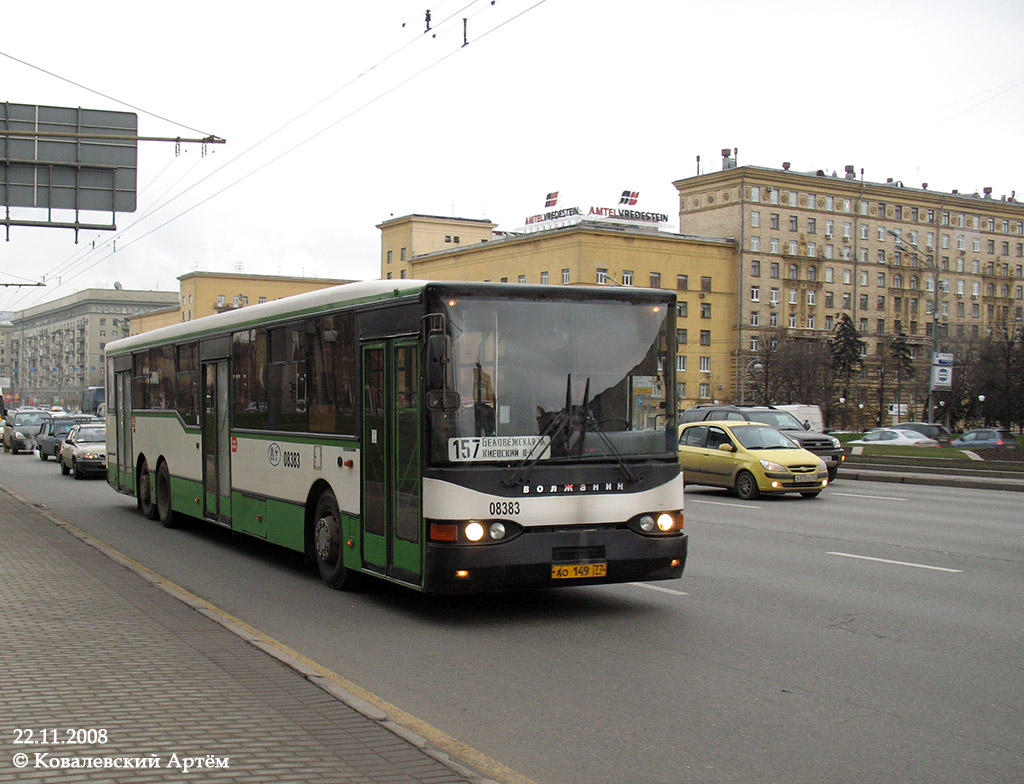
<point x="91" y="435"/>
<point x="579" y="378"/>
<point x="31" y="418"/>
<point x="780" y="420"/>
<point x="762" y="438"/>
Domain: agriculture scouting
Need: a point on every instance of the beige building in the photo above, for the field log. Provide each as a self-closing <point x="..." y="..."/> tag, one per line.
<point x="205" y="293"/>
<point x="701" y="271"/>
<point x="57" y="348"/>
<point x="898" y="259"/>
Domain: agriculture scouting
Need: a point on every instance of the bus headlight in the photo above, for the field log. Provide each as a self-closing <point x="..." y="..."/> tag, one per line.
<point x="497" y="531"/>
<point x="474" y="532"/>
<point x="657" y="523"/>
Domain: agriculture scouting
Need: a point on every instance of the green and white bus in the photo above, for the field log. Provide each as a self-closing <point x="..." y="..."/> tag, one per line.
<point x="451" y="437"/>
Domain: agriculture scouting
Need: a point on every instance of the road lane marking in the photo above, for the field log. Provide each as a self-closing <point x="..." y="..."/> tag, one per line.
<point x="720" y="503"/>
<point x="898" y="563"/>
<point x="876" y="497"/>
<point x="660" y="589"/>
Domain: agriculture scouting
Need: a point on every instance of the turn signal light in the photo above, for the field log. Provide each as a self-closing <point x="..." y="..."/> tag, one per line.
<point x="444" y="532"/>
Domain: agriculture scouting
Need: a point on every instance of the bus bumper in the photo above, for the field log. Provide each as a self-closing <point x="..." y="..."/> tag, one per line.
<point x="529" y="560"/>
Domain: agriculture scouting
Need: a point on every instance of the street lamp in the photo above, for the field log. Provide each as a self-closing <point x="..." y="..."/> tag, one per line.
<point x="914" y="251"/>
<point x="981" y="409"/>
<point x="756" y="365"/>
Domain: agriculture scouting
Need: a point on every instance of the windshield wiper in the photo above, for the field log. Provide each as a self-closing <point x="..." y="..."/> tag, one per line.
<point x="554" y="426"/>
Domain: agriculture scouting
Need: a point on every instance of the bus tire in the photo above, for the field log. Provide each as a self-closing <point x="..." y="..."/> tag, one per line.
<point x="328" y="543"/>
<point x="164" y="512"/>
<point x="746" y="486"/>
<point x="145" y="492"/>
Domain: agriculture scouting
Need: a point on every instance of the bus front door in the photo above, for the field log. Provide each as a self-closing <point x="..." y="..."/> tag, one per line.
<point x="391" y="519"/>
<point x="216" y="442"/>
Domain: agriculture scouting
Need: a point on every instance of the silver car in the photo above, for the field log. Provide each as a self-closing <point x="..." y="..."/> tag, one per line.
<point x="84" y="451"/>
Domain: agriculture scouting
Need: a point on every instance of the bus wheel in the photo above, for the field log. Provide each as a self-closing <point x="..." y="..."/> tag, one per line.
<point x="327" y="543"/>
<point x="746" y="486"/>
<point x="164" y="513"/>
<point x="145" y="484"/>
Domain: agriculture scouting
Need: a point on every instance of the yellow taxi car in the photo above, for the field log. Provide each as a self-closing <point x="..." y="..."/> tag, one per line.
<point x="748" y="458"/>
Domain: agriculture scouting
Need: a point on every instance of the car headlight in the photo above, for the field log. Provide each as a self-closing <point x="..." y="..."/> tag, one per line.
<point x="836" y="442"/>
<point x="771" y="465"/>
<point x="822" y="466"/>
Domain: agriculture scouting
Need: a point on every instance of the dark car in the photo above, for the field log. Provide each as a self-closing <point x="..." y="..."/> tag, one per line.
<point x="931" y="429"/>
<point x="828" y="448"/>
<point x="53" y="433"/>
<point x="21" y="428"/>
<point x="987" y="438"/>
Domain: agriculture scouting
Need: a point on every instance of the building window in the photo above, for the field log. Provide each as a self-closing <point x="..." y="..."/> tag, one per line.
<point x="627" y="277"/>
<point x="705" y="337"/>
<point x="755" y="269"/>
<point x="755" y="244"/>
<point x="755" y="318"/>
<point x="602" y="275"/>
<point x="403" y="254"/>
<point x="755" y="219"/>
<point x="812" y="225"/>
<point x="680" y="363"/>
<point x="681" y="337"/>
<point x="565" y="276"/>
<point x="705" y="310"/>
<point x="705" y="390"/>
<point x="683" y="282"/>
<point x="655" y="280"/>
<point x="794" y="223"/>
<point x="544" y="278"/>
<point x="755" y="293"/>
<point x="774" y="270"/>
<point x="705" y="284"/>
<point x="705" y="364"/>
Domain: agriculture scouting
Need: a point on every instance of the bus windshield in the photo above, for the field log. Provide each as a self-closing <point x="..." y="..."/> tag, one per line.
<point x="555" y="379"/>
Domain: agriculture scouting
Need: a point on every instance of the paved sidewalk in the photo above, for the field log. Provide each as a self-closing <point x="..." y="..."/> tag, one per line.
<point x="147" y="689"/>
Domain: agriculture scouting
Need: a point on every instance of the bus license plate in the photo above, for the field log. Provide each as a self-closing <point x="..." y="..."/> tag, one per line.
<point x="578" y="571"/>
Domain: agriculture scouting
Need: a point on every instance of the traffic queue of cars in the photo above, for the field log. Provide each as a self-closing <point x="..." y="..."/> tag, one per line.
<point x="76" y="441"/>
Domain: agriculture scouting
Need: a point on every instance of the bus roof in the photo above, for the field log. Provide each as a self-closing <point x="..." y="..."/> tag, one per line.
<point x="361" y="292"/>
<point x="254" y="315"/>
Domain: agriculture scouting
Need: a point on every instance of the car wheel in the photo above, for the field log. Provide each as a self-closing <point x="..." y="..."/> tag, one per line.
<point x="63" y="467"/>
<point x="746" y="486"/>
<point x="164" y="513"/>
<point x="14" y="450"/>
<point x="811" y="494"/>
<point x="832" y="474"/>
<point x="327" y="544"/>
<point x="145" y="492"/>
<point x="74" y="469"/>
<point x="42" y="454"/>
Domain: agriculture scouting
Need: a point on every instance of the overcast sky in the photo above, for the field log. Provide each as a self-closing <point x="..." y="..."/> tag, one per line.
<point x="340" y="115"/>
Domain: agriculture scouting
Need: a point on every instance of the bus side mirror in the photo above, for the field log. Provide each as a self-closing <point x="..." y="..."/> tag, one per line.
<point x="437" y="361"/>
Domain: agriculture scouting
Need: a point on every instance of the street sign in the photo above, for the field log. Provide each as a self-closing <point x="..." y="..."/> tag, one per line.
<point x="942" y="358"/>
<point x="942" y="377"/>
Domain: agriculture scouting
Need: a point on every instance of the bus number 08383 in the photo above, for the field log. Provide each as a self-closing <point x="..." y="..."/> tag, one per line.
<point x="504" y="508"/>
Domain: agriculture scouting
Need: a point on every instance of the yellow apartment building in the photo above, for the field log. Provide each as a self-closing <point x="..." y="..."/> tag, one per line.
<point x="897" y="258"/>
<point x="701" y="270"/>
<point x="205" y="293"/>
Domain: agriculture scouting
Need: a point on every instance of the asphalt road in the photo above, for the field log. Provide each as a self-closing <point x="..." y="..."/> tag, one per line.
<point x="783" y="655"/>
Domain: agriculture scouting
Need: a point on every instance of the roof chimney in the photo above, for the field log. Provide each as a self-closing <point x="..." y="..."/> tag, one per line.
<point x="987" y="192"/>
<point x="785" y="165"/>
<point x="851" y="173"/>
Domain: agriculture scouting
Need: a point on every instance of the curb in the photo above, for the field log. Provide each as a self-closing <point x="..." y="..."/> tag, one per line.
<point x="321" y="677"/>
